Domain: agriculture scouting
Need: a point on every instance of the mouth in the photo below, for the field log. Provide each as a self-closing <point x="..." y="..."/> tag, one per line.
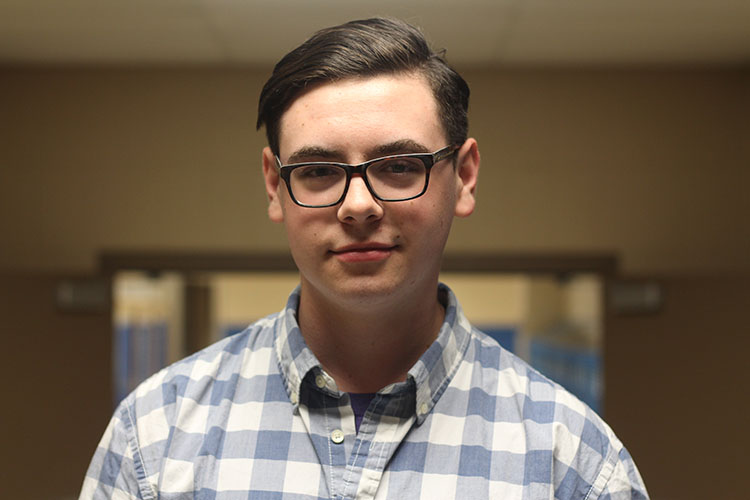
<point x="363" y="252"/>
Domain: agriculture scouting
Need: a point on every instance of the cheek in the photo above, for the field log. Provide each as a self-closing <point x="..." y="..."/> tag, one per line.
<point x="425" y="224"/>
<point x="305" y="226"/>
<point x="443" y="205"/>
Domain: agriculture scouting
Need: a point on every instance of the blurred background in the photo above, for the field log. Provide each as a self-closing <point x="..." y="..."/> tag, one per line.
<point x="615" y="141"/>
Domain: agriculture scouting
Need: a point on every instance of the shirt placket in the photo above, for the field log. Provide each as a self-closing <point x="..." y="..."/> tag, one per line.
<point x="380" y="436"/>
<point x="354" y="463"/>
<point x="332" y="437"/>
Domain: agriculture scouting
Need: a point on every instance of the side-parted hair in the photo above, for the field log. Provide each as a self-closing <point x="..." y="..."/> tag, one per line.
<point x="363" y="48"/>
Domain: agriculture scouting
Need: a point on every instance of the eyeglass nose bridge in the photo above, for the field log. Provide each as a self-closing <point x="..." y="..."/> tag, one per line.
<point x="361" y="171"/>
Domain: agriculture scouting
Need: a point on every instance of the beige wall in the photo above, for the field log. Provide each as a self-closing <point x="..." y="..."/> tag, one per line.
<point x="652" y="165"/>
<point x="646" y="164"/>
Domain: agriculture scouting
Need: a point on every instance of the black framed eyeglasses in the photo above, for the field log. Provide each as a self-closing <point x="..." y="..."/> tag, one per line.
<point x="390" y="178"/>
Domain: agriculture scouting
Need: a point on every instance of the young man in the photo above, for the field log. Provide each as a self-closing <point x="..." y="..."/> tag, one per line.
<point x="371" y="383"/>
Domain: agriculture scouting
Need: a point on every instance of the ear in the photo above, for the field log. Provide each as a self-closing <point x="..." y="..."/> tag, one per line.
<point x="273" y="186"/>
<point x="467" y="171"/>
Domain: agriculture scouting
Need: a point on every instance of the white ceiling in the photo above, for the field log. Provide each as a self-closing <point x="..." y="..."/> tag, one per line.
<point x="475" y="32"/>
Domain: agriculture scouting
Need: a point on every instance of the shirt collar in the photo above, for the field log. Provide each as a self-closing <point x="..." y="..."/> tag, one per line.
<point x="430" y="375"/>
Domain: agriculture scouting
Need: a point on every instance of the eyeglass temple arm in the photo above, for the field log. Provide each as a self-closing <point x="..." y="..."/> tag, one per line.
<point x="444" y="153"/>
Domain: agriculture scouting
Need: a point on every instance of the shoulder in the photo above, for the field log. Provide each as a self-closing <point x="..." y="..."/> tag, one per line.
<point x="583" y="453"/>
<point x="201" y="379"/>
<point x="508" y="378"/>
<point x="181" y="399"/>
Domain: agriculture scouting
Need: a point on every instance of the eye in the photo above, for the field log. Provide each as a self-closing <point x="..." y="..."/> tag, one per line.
<point x="318" y="172"/>
<point x="398" y="166"/>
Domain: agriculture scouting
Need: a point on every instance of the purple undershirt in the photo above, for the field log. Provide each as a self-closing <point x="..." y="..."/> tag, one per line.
<point x="360" y="403"/>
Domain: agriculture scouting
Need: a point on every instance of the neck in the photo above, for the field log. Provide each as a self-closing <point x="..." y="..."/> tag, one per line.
<point x="368" y="346"/>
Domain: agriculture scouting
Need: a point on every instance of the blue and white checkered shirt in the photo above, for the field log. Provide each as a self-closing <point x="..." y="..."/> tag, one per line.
<point x="255" y="416"/>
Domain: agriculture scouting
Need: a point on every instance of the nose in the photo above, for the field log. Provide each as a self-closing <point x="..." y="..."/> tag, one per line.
<point x="359" y="204"/>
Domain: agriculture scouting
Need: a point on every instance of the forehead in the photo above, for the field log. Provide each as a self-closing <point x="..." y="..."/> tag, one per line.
<point x="357" y="113"/>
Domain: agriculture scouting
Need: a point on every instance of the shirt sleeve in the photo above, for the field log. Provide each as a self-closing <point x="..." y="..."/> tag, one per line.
<point x="116" y="470"/>
<point x="623" y="482"/>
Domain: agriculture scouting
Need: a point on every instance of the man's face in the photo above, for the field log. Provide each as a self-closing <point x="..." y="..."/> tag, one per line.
<point x="364" y="250"/>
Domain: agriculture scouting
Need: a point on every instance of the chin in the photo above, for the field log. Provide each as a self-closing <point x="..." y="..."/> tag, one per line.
<point x="367" y="287"/>
<point x="363" y="290"/>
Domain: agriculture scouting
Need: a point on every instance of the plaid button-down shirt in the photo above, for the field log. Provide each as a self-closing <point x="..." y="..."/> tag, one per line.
<point x="255" y="416"/>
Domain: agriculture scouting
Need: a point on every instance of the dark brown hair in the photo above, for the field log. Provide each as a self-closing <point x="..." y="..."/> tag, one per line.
<point x="366" y="47"/>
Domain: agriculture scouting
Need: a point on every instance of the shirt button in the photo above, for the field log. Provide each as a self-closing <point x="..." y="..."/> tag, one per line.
<point x="337" y="436"/>
<point x="423" y="409"/>
<point x="320" y="381"/>
<point x="293" y="398"/>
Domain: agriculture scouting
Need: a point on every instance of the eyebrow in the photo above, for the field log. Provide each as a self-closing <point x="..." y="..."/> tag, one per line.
<point x="307" y="153"/>
<point x="402" y="146"/>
